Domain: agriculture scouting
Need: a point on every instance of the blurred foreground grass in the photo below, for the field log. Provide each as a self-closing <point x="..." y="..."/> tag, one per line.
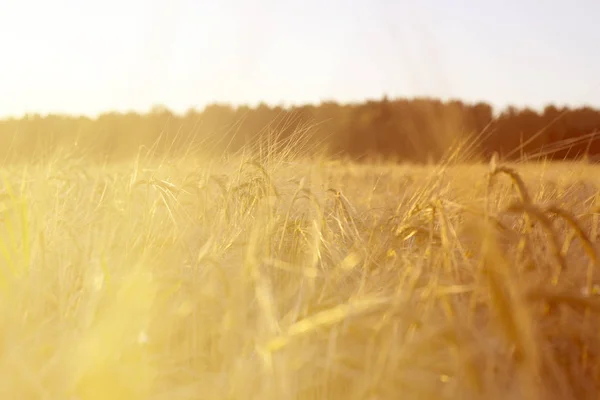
<point x="269" y="279"/>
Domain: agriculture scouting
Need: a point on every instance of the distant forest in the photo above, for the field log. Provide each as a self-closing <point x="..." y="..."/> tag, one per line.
<point x="415" y="130"/>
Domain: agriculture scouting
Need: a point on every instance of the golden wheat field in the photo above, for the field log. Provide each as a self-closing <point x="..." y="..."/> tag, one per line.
<point x="281" y="278"/>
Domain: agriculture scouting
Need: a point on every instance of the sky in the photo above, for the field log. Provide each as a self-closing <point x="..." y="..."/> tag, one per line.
<point x="91" y="56"/>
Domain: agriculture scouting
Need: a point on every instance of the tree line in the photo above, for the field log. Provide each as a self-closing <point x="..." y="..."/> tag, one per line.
<point x="415" y="130"/>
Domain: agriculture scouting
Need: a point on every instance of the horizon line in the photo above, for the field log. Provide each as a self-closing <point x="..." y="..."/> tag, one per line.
<point x="290" y="105"/>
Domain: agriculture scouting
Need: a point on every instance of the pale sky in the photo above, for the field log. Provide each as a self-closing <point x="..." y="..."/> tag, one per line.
<point x="91" y="56"/>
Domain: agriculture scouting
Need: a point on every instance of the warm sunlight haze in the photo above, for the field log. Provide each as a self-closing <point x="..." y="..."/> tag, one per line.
<point x="318" y="200"/>
<point x="94" y="56"/>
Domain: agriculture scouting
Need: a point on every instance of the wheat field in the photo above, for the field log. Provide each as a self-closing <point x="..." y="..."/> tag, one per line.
<point x="274" y="277"/>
